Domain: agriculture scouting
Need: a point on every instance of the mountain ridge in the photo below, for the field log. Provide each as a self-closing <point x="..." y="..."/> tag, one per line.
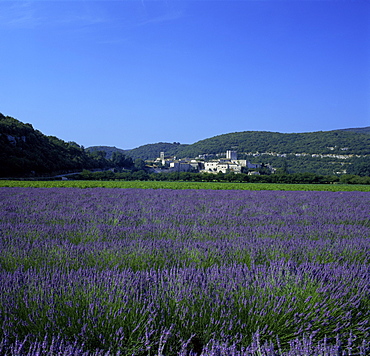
<point x="167" y="145"/>
<point x="318" y="142"/>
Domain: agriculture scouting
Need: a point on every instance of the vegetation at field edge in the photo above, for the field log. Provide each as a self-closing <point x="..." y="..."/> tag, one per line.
<point x="184" y="185"/>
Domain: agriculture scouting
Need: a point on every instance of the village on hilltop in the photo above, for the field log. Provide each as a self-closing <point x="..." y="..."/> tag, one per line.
<point x="230" y="164"/>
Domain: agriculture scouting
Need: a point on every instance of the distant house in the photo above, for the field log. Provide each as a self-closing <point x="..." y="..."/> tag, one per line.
<point x="253" y="166"/>
<point x="180" y="166"/>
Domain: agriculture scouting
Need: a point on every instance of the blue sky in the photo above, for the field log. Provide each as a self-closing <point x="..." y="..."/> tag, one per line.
<point x="131" y="72"/>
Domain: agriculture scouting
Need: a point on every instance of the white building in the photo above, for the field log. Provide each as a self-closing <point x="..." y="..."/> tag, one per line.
<point x="211" y="166"/>
<point x="236" y="168"/>
<point x="222" y="166"/>
<point x="240" y="162"/>
<point x="180" y="166"/>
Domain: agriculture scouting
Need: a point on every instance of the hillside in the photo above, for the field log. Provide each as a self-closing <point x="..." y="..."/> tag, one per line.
<point x="108" y="150"/>
<point x="152" y="151"/>
<point x="322" y="142"/>
<point x="322" y="152"/>
<point x="361" y="130"/>
<point x="25" y="151"/>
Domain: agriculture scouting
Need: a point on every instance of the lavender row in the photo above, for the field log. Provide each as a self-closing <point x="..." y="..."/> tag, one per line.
<point x="140" y="253"/>
<point x="298" y="347"/>
<point x="130" y="311"/>
<point x="55" y="345"/>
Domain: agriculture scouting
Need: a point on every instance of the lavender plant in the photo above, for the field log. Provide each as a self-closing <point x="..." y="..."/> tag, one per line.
<point x="149" y="272"/>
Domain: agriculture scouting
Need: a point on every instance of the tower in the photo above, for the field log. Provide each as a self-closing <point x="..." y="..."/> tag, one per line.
<point x="232" y="155"/>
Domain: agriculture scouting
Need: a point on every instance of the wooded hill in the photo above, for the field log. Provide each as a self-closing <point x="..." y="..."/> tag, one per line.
<point x="25" y="151"/>
<point x="348" y="141"/>
<point x="293" y="152"/>
<point x="108" y="150"/>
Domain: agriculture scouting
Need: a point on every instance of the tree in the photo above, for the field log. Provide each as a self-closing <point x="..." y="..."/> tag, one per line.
<point x="139" y="175"/>
<point x="120" y="160"/>
<point x="361" y="168"/>
<point x="139" y="164"/>
<point x="99" y="158"/>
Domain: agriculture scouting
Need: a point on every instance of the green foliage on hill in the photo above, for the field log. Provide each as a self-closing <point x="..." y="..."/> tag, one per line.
<point x="25" y="151"/>
<point x="335" y="143"/>
<point x="352" y="141"/>
<point x="322" y="142"/>
<point x="361" y="130"/>
<point x="152" y="150"/>
<point x="108" y="150"/>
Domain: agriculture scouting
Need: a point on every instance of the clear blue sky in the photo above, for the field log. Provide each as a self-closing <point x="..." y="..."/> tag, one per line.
<point x="131" y="72"/>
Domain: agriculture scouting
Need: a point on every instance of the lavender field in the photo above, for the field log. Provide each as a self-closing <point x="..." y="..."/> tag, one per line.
<point x="102" y="271"/>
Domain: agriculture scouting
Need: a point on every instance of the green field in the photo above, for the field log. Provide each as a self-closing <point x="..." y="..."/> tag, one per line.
<point x="184" y="185"/>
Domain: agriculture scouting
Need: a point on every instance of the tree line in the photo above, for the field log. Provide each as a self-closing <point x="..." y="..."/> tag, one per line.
<point x="294" y="178"/>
